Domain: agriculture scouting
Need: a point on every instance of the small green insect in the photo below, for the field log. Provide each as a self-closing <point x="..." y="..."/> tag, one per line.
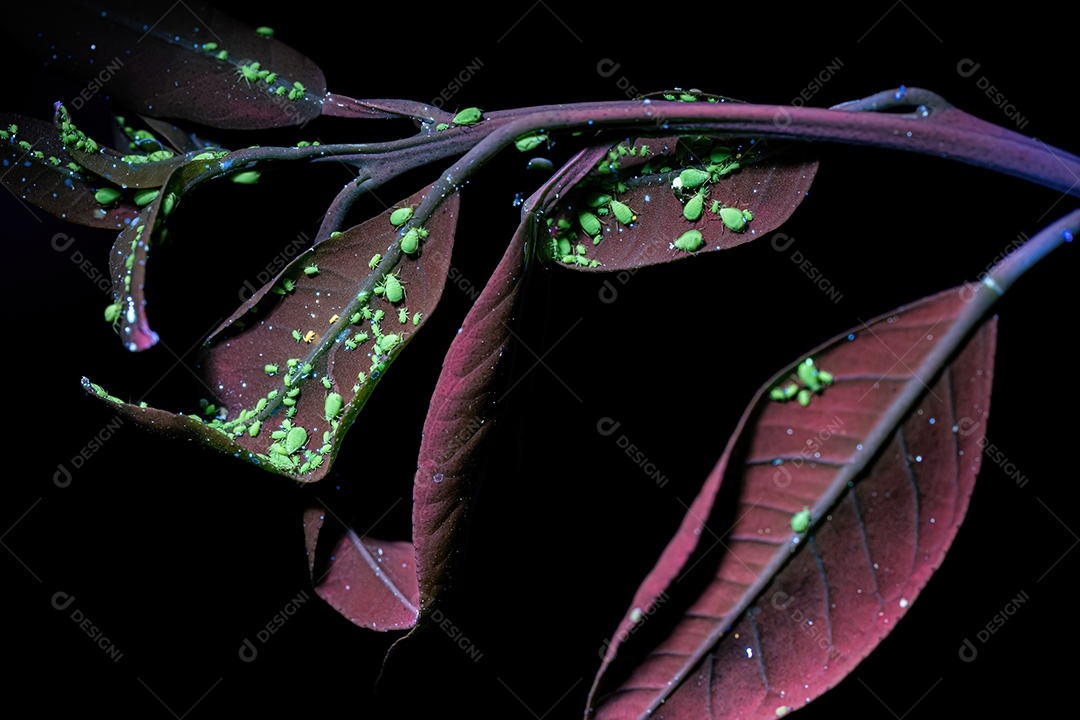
<point x="107" y="195"/>
<point x="112" y="312"/>
<point x="715" y="209"/>
<point x="808" y="375"/>
<point x="297" y="335"/>
<point x="468" y="116"/>
<point x="690" y="241"/>
<point x="395" y="291"/>
<point x="295" y="440"/>
<point x="442" y="126"/>
<point x="333" y="406"/>
<point x="356" y="318"/>
<point x="326" y="382"/>
<point x="377" y="316"/>
<point x="388" y="342"/>
<point x="270" y="78"/>
<point x="270" y="369"/>
<point x="403" y="315"/>
<point x="804" y="397"/>
<point x="253" y="428"/>
<point x="800" y="521"/>
<point x="400" y="216"/>
<point x="247" y="178"/>
<point x="145" y="197"/>
<point x="374" y="261"/>
<point x="416" y="319"/>
<point x="265" y="31"/>
<point x="692" y="177"/>
<point x="530" y="141"/>
<point x="593" y="200"/>
<point x="694" y="207"/>
<point x="410" y="242"/>
<point x="622" y="212"/>
<point x="349" y="343"/>
<point x="168" y="204"/>
<point x="589" y="223"/>
<point x="311" y="270"/>
<point x="735" y="219"/>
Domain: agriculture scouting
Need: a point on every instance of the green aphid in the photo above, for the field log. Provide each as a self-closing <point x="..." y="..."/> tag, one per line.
<point x="260" y="406"/>
<point x="825" y="377"/>
<point x="360" y="337"/>
<point x="5" y="135"/>
<point x="349" y="343"/>
<point x="333" y="406"/>
<point x="686" y="97"/>
<point x="54" y="160"/>
<point x="316" y="460"/>
<point x="388" y="342"/>
<point x="112" y="312"/>
<point x="107" y="195"/>
<point x="294" y="94"/>
<point x="791" y="391"/>
<point x="416" y="318"/>
<point x="735" y="219"/>
<point x="580" y="249"/>
<point x="690" y="241"/>
<point x="692" y="177"/>
<point x="530" y="141"/>
<point x="808" y="375"/>
<point x="280" y="90"/>
<point x="468" y="116"/>
<point x="168" y="204"/>
<point x="603" y="211"/>
<point x="374" y="261"/>
<point x="288" y="401"/>
<point x="403" y="315"/>
<point x="306" y="368"/>
<point x="249" y="177"/>
<point x="293" y="392"/>
<point x="159" y="155"/>
<point x="145" y="197"/>
<point x="271" y="395"/>
<point x="719" y="155"/>
<point x="264" y="31"/>
<point x="288" y="284"/>
<point x="210" y="46"/>
<point x="356" y="318"/>
<point x="715" y="209"/>
<point x="25" y="145"/>
<point x="295" y="440"/>
<point x="270" y="369"/>
<point x="804" y="397"/>
<point x="589" y="223"/>
<point x="777" y="394"/>
<point x="395" y="292"/>
<point x="327" y="382"/>
<point x="442" y="126"/>
<point x="564" y="246"/>
<point x="253" y="428"/>
<point x="569" y="259"/>
<point x="297" y="335"/>
<point x="400" y="216"/>
<point x="595" y="200"/>
<point x="622" y="212"/>
<point x="292" y="362"/>
<point x="290" y="412"/>
<point x="311" y="270"/>
<point x="694" y="207"/>
<point x="800" y="521"/>
<point x="410" y="242"/>
<point x="366" y="312"/>
<point x="377" y="316"/>
<point x="270" y="78"/>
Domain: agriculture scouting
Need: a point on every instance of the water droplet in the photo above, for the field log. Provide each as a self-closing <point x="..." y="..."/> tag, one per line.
<point x="438" y="477"/>
<point x="903" y="602"/>
<point x="749" y="652"/>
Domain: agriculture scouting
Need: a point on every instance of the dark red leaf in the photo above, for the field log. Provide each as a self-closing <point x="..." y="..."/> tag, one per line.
<point x="884" y="458"/>
<point x="153" y="57"/>
<point x="63" y="191"/>
<point x="767" y="179"/>
<point x="319" y="308"/>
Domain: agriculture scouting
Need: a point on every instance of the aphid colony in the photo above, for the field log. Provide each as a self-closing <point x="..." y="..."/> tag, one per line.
<point x="691" y="187"/>
<point x="253" y="72"/>
<point x="811" y="380"/>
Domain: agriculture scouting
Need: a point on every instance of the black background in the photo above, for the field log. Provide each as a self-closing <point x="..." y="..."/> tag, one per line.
<point x="178" y="554"/>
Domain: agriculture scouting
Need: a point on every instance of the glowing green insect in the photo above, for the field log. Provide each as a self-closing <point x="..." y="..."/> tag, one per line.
<point x="356" y="318"/>
<point x="107" y="195"/>
<point x="593" y="200"/>
<point x="715" y="209"/>
<point x="265" y="31"/>
<point x="326" y="382"/>
<point x="736" y="219"/>
<point x="270" y="369"/>
<point x="297" y="335"/>
<point x="589" y="223"/>
<point x="531" y="141"/>
<point x="804" y="397"/>
<point x="416" y="319"/>
<point x="692" y="177"/>
<point x="622" y="212"/>
<point x="374" y="261"/>
<point x="168" y="204"/>
<point x="690" y="241"/>
<point x="112" y="312"/>
<point x="295" y="440"/>
<point x="246" y="178"/>
<point x="311" y="270"/>
<point x="349" y="343"/>
<point x="808" y="375"/>
<point x="694" y="207"/>
<point x="400" y="216"/>
<point x="403" y="315"/>
<point x="270" y="78"/>
<point x="377" y="316"/>
<point x="145" y="197"/>
<point x="253" y="429"/>
<point x="333" y="406"/>
<point x="410" y="242"/>
<point x="442" y="126"/>
<point x="800" y="521"/>
<point x="388" y="342"/>
<point x="210" y="46"/>
<point x="468" y="116"/>
<point x="393" y="289"/>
